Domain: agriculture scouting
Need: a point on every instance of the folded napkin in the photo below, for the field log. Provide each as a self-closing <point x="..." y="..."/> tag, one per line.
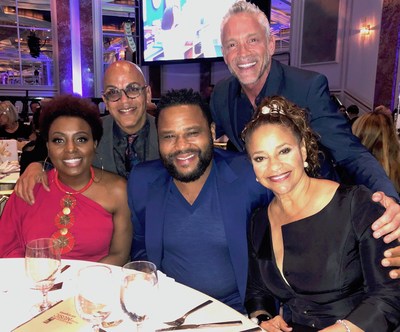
<point x="9" y="167"/>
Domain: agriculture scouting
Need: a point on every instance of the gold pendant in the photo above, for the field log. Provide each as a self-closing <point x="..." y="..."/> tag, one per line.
<point x="63" y="231"/>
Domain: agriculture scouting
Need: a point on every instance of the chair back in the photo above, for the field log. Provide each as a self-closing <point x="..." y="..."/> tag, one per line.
<point x="3" y="201"/>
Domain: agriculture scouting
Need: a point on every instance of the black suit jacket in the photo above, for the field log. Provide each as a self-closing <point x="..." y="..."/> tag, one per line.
<point x="105" y="149"/>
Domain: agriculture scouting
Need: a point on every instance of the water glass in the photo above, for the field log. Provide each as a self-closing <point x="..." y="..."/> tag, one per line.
<point x="94" y="298"/>
<point x="139" y="287"/>
<point x="42" y="265"/>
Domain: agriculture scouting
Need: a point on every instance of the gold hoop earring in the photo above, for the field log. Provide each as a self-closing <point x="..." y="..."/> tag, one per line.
<point x="46" y="165"/>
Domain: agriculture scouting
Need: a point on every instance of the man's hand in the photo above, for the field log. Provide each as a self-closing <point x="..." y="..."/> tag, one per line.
<point x="24" y="187"/>
<point x="389" y="223"/>
<point x="392" y="258"/>
<point x="276" y="324"/>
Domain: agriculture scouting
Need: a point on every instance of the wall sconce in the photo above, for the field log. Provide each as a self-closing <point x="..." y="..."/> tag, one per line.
<point x="365" y="30"/>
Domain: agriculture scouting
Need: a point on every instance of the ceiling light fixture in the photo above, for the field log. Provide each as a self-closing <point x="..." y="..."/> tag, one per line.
<point x="365" y="30"/>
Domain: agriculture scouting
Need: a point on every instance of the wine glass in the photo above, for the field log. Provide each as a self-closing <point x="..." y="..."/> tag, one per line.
<point x="138" y="290"/>
<point x="94" y="298"/>
<point x="42" y="264"/>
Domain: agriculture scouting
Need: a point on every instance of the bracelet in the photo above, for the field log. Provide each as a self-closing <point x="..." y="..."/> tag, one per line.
<point x="344" y="324"/>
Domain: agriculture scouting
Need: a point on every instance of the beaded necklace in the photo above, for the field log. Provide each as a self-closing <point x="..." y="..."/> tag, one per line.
<point x="64" y="219"/>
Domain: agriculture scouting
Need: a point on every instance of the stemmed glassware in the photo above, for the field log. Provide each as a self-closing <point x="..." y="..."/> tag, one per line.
<point x="42" y="264"/>
<point x="94" y="298"/>
<point x="138" y="290"/>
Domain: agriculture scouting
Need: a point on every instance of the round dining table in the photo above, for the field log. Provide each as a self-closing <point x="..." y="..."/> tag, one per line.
<point x="18" y="300"/>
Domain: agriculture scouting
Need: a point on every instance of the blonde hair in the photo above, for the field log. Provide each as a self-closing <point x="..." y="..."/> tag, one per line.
<point x="11" y="111"/>
<point x="377" y="133"/>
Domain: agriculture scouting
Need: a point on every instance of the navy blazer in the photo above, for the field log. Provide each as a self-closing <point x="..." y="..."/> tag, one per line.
<point x="105" y="149"/>
<point x="308" y="90"/>
<point x="239" y="194"/>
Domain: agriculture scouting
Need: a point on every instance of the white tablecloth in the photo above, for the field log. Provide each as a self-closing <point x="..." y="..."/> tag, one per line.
<point x="9" y="178"/>
<point x="174" y="299"/>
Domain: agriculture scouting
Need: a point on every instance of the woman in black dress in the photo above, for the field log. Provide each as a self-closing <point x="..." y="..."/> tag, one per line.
<point x="312" y="247"/>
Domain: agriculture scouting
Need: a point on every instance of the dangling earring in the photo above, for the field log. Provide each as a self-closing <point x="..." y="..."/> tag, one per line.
<point x="305" y="164"/>
<point x="257" y="180"/>
<point x="46" y="165"/>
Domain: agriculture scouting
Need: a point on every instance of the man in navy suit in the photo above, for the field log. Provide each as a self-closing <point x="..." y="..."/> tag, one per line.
<point x="190" y="209"/>
<point x="247" y="47"/>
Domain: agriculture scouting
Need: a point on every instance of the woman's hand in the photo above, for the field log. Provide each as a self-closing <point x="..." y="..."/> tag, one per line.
<point x="24" y="187"/>
<point x="276" y="324"/>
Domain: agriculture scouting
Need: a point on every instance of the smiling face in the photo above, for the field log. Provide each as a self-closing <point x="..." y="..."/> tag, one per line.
<point x="246" y="49"/>
<point x="277" y="157"/>
<point x="128" y="113"/>
<point x="71" y="146"/>
<point x="185" y="142"/>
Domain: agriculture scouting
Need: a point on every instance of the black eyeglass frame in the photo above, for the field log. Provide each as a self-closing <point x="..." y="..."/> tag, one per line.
<point x="138" y="92"/>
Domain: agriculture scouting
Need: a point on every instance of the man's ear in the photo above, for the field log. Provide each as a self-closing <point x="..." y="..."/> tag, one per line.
<point x="212" y="128"/>
<point x="271" y="44"/>
<point x="148" y="94"/>
<point x="105" y="101"/>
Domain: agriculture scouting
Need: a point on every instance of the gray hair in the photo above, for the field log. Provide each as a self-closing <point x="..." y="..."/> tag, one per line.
<point x="242" y="6"/>
<point x="11" y="111"/>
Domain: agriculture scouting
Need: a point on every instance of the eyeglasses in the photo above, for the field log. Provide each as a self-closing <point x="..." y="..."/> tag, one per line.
<point x="132" y="90"/>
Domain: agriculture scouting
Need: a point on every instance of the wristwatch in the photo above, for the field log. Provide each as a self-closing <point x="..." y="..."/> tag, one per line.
<point x="260" y="318"/>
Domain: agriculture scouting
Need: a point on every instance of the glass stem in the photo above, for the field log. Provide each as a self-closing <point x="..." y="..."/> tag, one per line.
<point x="45" y="303"/>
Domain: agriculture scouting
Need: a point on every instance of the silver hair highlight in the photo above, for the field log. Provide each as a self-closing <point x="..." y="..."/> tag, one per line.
<point x="242" y="6"/>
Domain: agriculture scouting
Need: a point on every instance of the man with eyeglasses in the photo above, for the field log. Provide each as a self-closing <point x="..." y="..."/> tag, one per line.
<point x="130" y="134"/>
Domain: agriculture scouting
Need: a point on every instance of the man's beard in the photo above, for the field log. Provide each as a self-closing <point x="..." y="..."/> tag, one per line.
<point x="205" y="159"/>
